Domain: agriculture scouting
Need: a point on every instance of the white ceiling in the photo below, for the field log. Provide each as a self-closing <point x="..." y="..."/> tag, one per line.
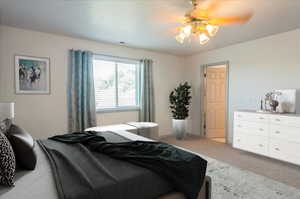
<point x="147" y="24"/>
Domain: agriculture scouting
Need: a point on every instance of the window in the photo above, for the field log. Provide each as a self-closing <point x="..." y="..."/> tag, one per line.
<point x="116" y="83"/>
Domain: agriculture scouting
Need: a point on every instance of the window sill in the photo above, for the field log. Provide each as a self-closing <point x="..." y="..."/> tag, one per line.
<point x="122" y="109"/>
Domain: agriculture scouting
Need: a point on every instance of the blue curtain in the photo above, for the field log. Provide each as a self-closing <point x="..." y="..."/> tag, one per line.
<point x="81" y="93"/>
<point x="146" y="113"/>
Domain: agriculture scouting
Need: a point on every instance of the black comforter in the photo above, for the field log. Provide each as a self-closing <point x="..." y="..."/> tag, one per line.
<point x="75" y="160"/>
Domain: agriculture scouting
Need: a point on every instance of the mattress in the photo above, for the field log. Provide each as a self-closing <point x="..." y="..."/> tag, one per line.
<point x="40" y="182"/>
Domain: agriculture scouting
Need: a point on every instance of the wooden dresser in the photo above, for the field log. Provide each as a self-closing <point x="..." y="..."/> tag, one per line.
<point x="272" y="135"/>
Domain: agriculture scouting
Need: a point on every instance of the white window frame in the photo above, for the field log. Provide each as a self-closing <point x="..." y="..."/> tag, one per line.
<point x="117" y="60"/>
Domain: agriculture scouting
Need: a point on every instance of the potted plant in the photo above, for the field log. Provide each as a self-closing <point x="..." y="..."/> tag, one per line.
<point x="180" y="99"/>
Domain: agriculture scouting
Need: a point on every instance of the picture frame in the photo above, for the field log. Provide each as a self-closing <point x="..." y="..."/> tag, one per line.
<point x="32" y="75"/>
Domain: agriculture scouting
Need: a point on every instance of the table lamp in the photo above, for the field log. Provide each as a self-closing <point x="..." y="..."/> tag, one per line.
<point x="7" y="110"/>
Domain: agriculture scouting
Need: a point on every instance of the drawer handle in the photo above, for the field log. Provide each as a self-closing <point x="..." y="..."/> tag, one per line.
<point x="261" y="118"/>
<point x="238" y="140"/>
<point x="278" y="120"/>
<point x="240" y="126"/>
<point x="277" y="132"/>
<point x="261" y="129"/>
<point x="277" y="149"/>
<point x="260" y="145"/>
<point x="240" y="116"/>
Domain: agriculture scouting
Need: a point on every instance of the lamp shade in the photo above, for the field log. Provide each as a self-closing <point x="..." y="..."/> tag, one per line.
<point x="7" y="110"/>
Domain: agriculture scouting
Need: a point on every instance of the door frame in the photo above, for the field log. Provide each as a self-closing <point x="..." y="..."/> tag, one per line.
<point x="203" y="98"/>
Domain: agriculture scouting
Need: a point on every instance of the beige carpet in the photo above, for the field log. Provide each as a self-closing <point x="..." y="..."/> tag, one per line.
<point x="277" y="170"/>
<point x="222" y="140"/>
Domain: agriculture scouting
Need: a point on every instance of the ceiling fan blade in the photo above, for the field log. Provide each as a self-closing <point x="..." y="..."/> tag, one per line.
<point x="176" y="30"/>
<point x="173" y="19"/>
<point x="208" y="9"/>
<point x="205" y="8"/>
<point x="230" y="20"/>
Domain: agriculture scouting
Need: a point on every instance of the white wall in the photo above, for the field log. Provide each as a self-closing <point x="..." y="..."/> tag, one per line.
<point x="45" y="115"/>
<point x="255" y="68"/>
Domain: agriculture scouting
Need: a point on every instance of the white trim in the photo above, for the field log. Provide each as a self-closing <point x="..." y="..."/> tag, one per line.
<point x="203" y="115"/>
<point x="116" y="59"/>
<point x="118" y="109"/>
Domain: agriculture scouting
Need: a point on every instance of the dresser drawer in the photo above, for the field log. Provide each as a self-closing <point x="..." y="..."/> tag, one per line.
<point x="240" y="141"/>
<point x="272" y="135"/>
<point x="255" y="144"/>
<point x="285" y="120"/>
<point x="258" y="145"/>
<point x="252" y="128"/>
<point x="253" y="117"/>
<point x="284" y="150"/>
<point x="240" y="115"/>
<point x="286" y="133"/>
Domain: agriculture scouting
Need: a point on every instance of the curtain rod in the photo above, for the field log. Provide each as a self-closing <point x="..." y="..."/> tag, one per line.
<point x="117" y="57"/>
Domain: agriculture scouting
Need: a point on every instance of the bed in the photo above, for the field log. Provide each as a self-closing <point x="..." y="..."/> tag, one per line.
<point x="40" y="182"/>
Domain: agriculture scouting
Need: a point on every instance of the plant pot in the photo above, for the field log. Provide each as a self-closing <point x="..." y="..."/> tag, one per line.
<point x="179" y="128"/>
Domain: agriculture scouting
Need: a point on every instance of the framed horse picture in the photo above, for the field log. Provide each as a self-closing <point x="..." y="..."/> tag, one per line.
<point x="32" y="75"/>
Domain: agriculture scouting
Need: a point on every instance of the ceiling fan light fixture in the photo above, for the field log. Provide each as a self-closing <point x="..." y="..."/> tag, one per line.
<point x="187" y="30"/>
<point x="205" y="18"/>
<point x="203" y="38"/>
<point x="212" y="30"/>
<point x="180" y="37"/>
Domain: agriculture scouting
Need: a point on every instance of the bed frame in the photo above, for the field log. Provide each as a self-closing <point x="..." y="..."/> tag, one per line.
<point x="205" y="192"/>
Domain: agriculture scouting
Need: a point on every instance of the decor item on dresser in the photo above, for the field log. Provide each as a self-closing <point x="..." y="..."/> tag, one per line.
<point x="32" y="75"/>
<point x="7" y="161"/>
<point x="271" y="101"/>
<point x="81" y="93"/>
<point x="280" y="101"/>
<point x="287" y="100"/>
<point x="269" y="134"/>
<point x="146" y="113"/>
<point x="180" y="99"/>
<point x="23" y="145"/>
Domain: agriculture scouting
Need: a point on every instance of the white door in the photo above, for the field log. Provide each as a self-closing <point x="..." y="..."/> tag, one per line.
<point x="215" y="101"/>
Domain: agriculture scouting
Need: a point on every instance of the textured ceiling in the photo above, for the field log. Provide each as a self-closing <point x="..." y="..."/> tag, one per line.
<point x="147" y="24"/>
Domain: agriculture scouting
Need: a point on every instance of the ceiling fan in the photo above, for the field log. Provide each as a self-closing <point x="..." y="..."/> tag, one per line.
<point x="206" y="16"/>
